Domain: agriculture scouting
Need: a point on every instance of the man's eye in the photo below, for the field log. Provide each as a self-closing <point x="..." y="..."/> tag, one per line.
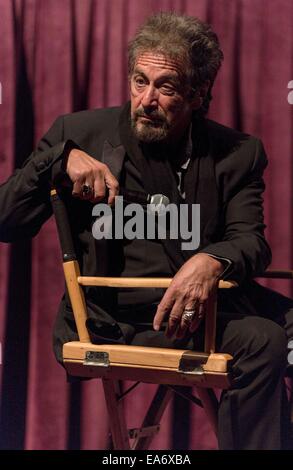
<point x="139" y="82"/>
<point x="167" y="90"/>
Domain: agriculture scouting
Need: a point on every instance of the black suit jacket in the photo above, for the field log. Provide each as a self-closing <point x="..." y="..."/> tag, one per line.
<point x="239" y="164"/>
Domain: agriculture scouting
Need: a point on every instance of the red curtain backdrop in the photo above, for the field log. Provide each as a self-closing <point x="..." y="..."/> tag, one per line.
<point x="58" y="57"/>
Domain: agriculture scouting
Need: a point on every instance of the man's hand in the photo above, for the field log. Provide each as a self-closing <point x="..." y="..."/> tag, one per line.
<point x="85" y="170"/>
<point x="189" y="290"/>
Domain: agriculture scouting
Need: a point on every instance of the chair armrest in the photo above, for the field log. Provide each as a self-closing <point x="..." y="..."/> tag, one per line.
<point x="277" y="274"/>
<point x="162" y="282"/>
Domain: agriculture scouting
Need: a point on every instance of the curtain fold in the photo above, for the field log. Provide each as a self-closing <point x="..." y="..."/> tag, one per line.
<point x="59" y="57"/>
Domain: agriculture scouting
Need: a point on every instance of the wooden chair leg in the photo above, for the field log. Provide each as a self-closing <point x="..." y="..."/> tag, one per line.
<point x="116" y="415"/>
<point x="153" y="416"/>
<point x="210" y="405"/>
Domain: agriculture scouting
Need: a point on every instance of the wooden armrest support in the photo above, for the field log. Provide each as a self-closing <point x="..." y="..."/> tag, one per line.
<point x="137" y="282"/>
<point x="277" y="274"/>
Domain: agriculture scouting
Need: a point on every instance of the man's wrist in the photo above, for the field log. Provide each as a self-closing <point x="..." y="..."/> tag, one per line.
<point x="225" y="263"/>
<point x="219" y="266"/>
<point x="60" y="177"/>
<point x="69" y="145"/>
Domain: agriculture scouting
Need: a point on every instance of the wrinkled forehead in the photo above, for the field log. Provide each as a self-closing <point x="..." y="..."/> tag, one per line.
<point x="160" y="61"/>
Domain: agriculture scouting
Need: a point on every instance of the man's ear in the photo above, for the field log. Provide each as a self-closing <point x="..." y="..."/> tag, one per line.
<point x="199" y="95"/>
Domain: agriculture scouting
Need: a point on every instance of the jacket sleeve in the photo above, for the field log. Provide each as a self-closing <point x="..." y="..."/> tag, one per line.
<point x="243" y="242"/>
<point x="25" y="196"/>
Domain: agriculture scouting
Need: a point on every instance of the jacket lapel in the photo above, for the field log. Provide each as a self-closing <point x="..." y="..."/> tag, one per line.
<point x="113" y="157"/>
<point x="201" y="186"/>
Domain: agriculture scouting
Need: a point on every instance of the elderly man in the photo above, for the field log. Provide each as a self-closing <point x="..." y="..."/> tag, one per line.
<point x="161" y="142"/>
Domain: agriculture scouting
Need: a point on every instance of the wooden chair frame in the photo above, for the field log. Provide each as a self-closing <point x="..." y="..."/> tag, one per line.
<point x="170" y="368"/>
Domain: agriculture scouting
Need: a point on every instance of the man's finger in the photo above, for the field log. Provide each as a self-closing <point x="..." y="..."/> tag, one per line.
<point x="112" y="186"/>
<point x="174" y="320"/>
<point x="163" y="309"/>
<point x="198" y="318"/>
<point x="76" y="190"/>
<point x="99" y="186"/>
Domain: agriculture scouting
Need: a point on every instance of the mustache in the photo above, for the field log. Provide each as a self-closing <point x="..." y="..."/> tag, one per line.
<point x="155" y="115"/>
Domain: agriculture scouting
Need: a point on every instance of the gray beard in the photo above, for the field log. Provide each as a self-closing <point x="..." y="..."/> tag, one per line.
<point x="149" y="133"/>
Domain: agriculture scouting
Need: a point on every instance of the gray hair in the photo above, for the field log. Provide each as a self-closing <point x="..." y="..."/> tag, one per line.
<point x="180" y="37"/>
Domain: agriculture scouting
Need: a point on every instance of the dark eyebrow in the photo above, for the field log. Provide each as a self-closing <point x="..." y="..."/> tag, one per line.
<point x="140" y="72"/>
<point x="167" y="76"/>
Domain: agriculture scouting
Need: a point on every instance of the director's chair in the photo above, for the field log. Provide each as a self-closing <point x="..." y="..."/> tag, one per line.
<point x="171" y="369"/>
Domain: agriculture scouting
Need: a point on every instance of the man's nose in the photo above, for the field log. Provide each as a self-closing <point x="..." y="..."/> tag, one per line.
<point x="150" y="97"/>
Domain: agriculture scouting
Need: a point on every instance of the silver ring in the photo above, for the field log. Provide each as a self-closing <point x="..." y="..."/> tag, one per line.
<point x="86" y="189"/>
<point x="188" y="315"/>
